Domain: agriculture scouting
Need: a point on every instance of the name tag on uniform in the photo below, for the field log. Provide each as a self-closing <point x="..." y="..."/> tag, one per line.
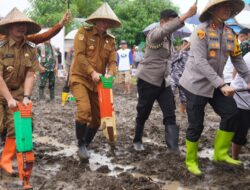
<point x="8" y="55"/>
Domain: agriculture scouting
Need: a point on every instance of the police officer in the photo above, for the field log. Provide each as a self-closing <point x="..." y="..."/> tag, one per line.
<point x="211" y="44"/>
<point x="94" y="55"/>
<point x="18" y="64"/>
<point x="154" y="78"/>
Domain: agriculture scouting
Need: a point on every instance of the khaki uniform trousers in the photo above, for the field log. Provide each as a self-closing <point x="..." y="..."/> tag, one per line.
<point x="88" y="110"/>
<point x="6" y="114"/>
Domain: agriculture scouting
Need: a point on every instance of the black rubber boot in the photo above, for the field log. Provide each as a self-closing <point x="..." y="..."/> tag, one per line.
<point x="172" y="137"/>
<point x="52" y="94"/>
<point x="90" y="134"/>
<point x="41" y="94"/>
<point x="81" y="130"/>
<point x="137" y="142"/>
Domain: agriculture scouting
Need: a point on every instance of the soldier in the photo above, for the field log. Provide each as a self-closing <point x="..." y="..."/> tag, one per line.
<point x="95" y="55"/>
<point x="211" y="44"/>
<point x="49" y="61"/>
<point x="18" y="64"/>
<point x="154" y="80"/>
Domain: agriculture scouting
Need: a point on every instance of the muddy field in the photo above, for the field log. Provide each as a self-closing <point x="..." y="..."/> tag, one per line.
<point x="57" y="166"/>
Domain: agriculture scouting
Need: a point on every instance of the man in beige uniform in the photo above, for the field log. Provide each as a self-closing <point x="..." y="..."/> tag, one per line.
<point x="18" y="63"/>
<point x="94" y="55"/>
<point x="211" y="44"/>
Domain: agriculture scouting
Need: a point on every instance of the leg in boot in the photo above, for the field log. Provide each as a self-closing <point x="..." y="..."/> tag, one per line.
<point x="41" y="94"/>
<point x="236" y="151"/>
<point x="80" y="134"/>
<point x="172" y="137"/>
<point x="137" y="142"/>
<point x="90" y="134"/>
<point x="8" y="154"/>
<point x="222" y="144"/>
<point x="52" y="94"/>
<point x="191" y="157"/>
<point x="52" y="86"/>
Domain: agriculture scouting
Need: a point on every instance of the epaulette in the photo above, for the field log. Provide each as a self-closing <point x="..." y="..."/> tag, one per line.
<point x="31" y="44"/>
<point x="3" y="42"/>
<point x="112" y="36"/>
<point x="88" y="28"/>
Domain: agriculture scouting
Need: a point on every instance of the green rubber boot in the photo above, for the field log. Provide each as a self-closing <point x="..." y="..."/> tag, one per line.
<point x="222" y="143"/>
<point x="191" y="158"/>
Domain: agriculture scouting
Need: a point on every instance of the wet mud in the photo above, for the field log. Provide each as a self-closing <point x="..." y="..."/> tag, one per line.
<point x="57" y="166"/>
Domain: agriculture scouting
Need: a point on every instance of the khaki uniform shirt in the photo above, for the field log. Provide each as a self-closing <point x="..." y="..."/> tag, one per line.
<point x="156" y="64"/>
<point x="15" y="62"/>
<point x="92" y="53"/>
<point x="210" y="48"/>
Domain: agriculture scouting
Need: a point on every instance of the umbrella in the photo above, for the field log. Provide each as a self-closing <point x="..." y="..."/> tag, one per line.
<point x="181" y="33"/>
<point x="242" y="18"/>
<point x="193" y="20"/>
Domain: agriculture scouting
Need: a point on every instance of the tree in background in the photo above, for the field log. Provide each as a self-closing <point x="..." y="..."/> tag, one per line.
<point x="135" y="15"/>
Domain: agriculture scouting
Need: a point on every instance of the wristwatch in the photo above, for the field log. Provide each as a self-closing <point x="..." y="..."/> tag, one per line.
<point x="27" y="96"/>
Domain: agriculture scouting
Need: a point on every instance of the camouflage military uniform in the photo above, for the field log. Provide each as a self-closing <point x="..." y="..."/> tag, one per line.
<point x="48" y="61"/>
<point x="245" y="47"/>
<point x="179" y="60"/>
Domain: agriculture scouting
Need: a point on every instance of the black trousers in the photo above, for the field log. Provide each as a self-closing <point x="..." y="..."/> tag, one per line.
<point x="224" y="106"/>
<point x="240" y="136"/>
<point x="148" y="93"/>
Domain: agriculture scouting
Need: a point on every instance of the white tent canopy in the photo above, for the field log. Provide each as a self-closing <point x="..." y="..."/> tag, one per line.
<point x="243" y="17"/>
<point x="71" y="35"/>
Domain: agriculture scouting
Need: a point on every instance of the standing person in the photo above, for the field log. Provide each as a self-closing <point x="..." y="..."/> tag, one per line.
<point x="124" y="62"/>
<point x="153" y="78"/>
<point x="177" y="68"/>
<point x="49" y="61"/>
<point x="138" y="56"/>
<point x="242" y="100"/>
<point x="95" y="55"/>
<point x="18" y="64"/>
<point x="211" y="44"/>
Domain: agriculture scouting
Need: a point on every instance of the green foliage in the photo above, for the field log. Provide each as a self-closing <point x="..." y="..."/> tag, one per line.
<point x="136" y="15"/>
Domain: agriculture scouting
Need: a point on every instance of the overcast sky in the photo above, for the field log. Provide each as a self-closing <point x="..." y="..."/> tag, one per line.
<point x="7" y="5"/>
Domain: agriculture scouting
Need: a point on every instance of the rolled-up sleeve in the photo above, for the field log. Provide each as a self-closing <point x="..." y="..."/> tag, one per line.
<point x="199" y="49"/>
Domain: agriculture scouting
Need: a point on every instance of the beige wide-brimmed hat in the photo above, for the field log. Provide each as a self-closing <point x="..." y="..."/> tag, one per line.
<point x="106" y="13"/>
<point x="16" y="16"/>
<point x="236" y="6"/>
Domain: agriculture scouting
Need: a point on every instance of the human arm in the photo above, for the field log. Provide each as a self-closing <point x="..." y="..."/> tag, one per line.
<point x="4" y="91"/>
<point x="45" y="36"/>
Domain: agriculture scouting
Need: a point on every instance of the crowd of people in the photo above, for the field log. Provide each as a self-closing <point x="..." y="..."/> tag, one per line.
<point x="195" y="69"/>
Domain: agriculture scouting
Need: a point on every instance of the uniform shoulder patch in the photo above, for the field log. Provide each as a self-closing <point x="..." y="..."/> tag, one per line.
<point x="112" y="36"/>
<point x="31" y="44"/>
<point x="3" y="42"/>
<point x="201" y="34"/>
<point x="88" y="28"/>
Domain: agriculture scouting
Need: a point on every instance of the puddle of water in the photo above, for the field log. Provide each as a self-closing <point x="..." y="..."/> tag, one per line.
<point x="66" y="150"/>
<point x="97" y="160"/>
<point x="173" y="185"/>
<point x="150" y="141"/>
